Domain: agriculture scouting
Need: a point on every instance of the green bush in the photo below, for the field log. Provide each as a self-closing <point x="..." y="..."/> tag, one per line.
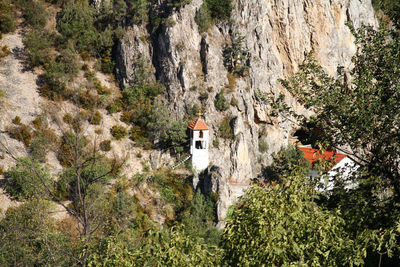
<point x="220" y="9"/>
<point x="175" y="137"/>
<point x="203" y="17"/>
<point x="235" y="57"/>
<point x="220" y="101"/>
<point x="173" y="189"/>
<point x="138" y="178"/>
<point x="107" y="65"/>
<point x="178" y="3"/>
<point x="29" y="236"/>
<point x="225" y="129"/>
<point x="212" y="10"/>
<point x="27" y="179"/>
<point x="114" y="107"/>
<point x="138" y="100"/>
<point x="88" y="100"/>
<point x="77" y="23"/>
<point x="284" y="162"/>
<point x="95" y="118"/>
<point x="55" y="81"/>
<point x="118" y="132"/>
<point x="105" y="145"/>
<point x="97" y="172"/>
<point x="70" y="143"/>
<point x="34" y="13"/>
<point x="39" y="147"/>
<point x="391" y="8"/>
<point x="4" y="52"/>
<point x="68" y="59"/>
<point x="199" y="222"/>
<point x="100" y="89"/>
<point x="6" y="18"/>
<point x="138" y="10"/>
<point x="17" y="120"/>
<point x="140" y="137"/>
<point x="21" y="133"/>
<point x="37" y="44"/>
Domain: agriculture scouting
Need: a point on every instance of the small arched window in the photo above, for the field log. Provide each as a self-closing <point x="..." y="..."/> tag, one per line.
<point x="201" y="134"/>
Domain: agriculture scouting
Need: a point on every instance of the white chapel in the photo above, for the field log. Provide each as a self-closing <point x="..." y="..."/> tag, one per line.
<point x="199" y="142"/>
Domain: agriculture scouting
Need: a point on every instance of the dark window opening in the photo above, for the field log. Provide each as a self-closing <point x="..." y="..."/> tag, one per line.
<point x="199" y="145"/>
<point x="201" y="134"/>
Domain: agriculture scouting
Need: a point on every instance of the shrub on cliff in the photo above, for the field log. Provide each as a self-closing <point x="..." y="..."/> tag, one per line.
<point x="220" y="101"/>
<point x="27" y="179"/>
<point x="220" y="9"/>
<point x="6" y="18"/>
<point x="34" y="13"/>
<point x="37" y="44"/>
<point x="212" y="10"/>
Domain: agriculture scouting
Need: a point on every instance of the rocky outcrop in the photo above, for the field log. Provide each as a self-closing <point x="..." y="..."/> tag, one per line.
<point x="278" y="35"/>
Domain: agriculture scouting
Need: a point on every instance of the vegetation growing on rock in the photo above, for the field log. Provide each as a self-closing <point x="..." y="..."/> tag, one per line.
<point x="93" y="211"/>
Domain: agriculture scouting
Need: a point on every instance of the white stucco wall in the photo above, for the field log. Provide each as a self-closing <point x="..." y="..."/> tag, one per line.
<point x="343" y="170"/>
<point x="200" y="158"/>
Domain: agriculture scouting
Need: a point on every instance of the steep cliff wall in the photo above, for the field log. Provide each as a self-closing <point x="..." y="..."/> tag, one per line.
<point x="277" y="35"/>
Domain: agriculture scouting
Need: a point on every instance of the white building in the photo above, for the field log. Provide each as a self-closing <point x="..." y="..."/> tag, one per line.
<point x="342" y="166"/>
<point x="199" y="142"/>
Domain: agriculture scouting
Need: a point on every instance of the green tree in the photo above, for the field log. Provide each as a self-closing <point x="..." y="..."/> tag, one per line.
<point x="28" y="179"/>
<point x="284" y="162"/>
<point x="220" y="9"/>
<point x="176" y="137"/>
<point x="235" y="55"/>
<point x="199" y="222"/>
<point x="29" y="237"/>
<point x="138" y="10"/>
<point x="37" y="44"/>
<point x="359" y="110"/>
<point x="390" y="8"/>
<point x="68" y="59"/>
<point x="203" y="17"/>
<point x="34" y="13"/>
<point x="76" y="22"/>
<point x="171" y="247"/>
<point x="281" y="226"/>
<point x="225" y="129"/>
<point x="54" y="80"/>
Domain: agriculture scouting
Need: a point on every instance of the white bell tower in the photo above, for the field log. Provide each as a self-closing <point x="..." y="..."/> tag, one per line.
<point x="199" y="142"/>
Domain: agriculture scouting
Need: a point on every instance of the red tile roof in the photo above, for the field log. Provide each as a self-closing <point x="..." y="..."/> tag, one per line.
<point x="198" y="125"/>
<point x="312" y="155"/>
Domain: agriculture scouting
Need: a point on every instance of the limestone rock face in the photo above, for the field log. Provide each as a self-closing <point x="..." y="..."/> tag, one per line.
<point x="278" y="35"/>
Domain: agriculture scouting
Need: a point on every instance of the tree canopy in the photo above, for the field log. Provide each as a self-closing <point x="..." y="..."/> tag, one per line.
<point x="281" y="225"/>
<point x="358" y="112"/>
<point x="359" y="109"/>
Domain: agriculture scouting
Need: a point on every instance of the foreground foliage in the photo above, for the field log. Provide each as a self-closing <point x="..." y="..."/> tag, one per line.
<point x="29" y="237"/>
<point x="359" y="110"/>
<point x="281" y="225"/>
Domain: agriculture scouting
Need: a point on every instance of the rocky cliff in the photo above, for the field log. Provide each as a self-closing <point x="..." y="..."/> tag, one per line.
<point x="277" y="35"/>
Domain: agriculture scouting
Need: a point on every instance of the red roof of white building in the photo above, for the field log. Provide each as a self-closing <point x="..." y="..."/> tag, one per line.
<point x="312" y="155"/>
<point x="198" y="125"/>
